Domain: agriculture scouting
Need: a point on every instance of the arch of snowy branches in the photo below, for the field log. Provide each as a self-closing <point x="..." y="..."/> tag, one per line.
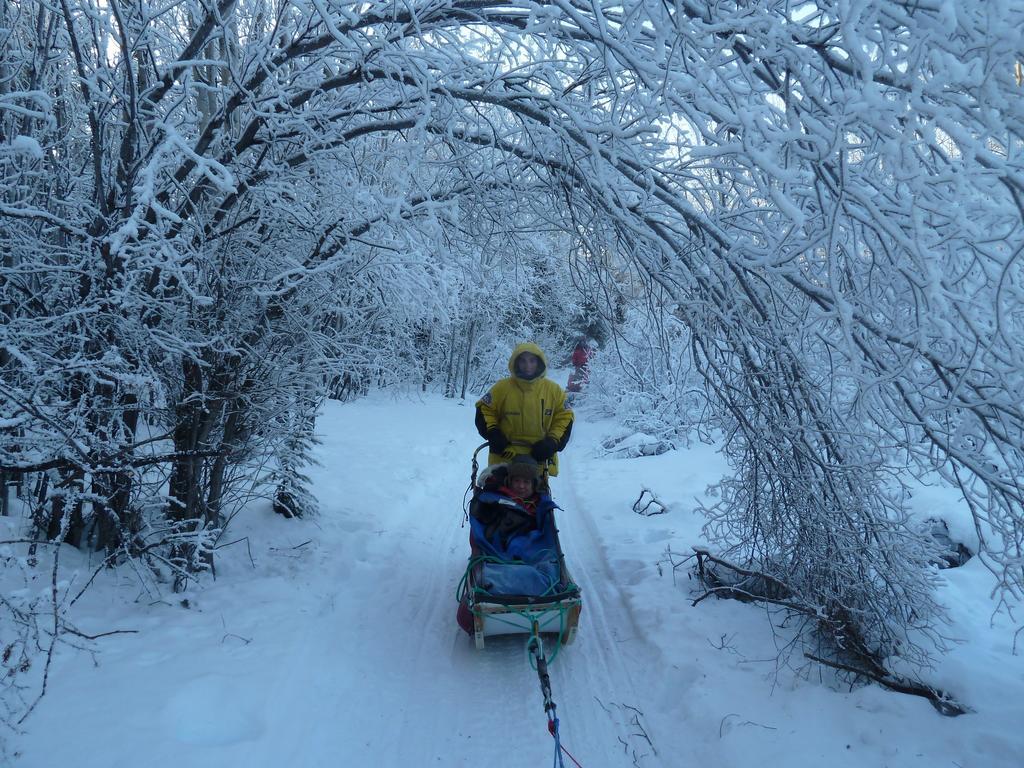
<point x="210" y="209"/>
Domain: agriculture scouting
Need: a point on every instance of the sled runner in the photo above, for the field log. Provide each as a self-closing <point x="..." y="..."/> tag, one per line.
<point x="516" y="575"/>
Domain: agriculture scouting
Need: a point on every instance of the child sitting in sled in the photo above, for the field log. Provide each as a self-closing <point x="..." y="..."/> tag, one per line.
<point x="515" y="558"/>
<point x="521" y="483"/>
<point x="514" y="509"/>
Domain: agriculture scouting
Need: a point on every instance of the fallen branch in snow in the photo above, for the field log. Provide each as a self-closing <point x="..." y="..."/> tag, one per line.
<point x="652" y="507"/>
<point x="939" y="699"/>
<point x="772" y="587"/>
<point x="722" y="578"/>
<point x="107" y="562"/>
<point x="721" y="725"/>
<point x="247" y="547"/>
<point x="637" y="714"/>
<point x="675" y="560"/>
<point x="297" y="546"/>
<point x="72" y="631"/>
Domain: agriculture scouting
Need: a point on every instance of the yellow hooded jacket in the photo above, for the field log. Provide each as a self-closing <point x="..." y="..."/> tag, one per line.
<point x="525" y="410"/>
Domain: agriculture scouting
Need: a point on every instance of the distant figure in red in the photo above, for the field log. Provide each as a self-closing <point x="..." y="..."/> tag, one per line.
<point x="581" y="354"/>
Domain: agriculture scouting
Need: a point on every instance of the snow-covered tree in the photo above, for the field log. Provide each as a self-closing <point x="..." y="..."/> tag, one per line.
<point x="202" y="202"/>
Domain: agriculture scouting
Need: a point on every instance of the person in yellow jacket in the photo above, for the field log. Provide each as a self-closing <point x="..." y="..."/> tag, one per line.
<point x="525" y="413"/>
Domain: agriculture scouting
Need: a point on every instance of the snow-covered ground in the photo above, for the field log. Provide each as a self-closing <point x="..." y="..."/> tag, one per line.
<point x="332" y="641"/>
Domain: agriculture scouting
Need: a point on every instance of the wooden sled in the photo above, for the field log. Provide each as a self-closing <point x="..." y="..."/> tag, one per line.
<point x="557" y="613"/>
<point x="484" y="614"/>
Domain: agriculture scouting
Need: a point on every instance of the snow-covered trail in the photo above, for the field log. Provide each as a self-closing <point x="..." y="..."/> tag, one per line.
<point x="340" y="648"/>
<point x="332" y="641"/>
<point x="422" y="675"/>
<point x="607" y="672"/>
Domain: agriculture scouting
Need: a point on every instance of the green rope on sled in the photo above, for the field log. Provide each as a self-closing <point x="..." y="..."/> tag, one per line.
<point x="529" y="615"/>
<point x="536" y="616"/>
<point x="463" y="585"/>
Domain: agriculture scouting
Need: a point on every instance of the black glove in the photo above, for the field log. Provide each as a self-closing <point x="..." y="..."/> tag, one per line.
<point x="544" y="449"/>
<point x="497" y="440"/>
